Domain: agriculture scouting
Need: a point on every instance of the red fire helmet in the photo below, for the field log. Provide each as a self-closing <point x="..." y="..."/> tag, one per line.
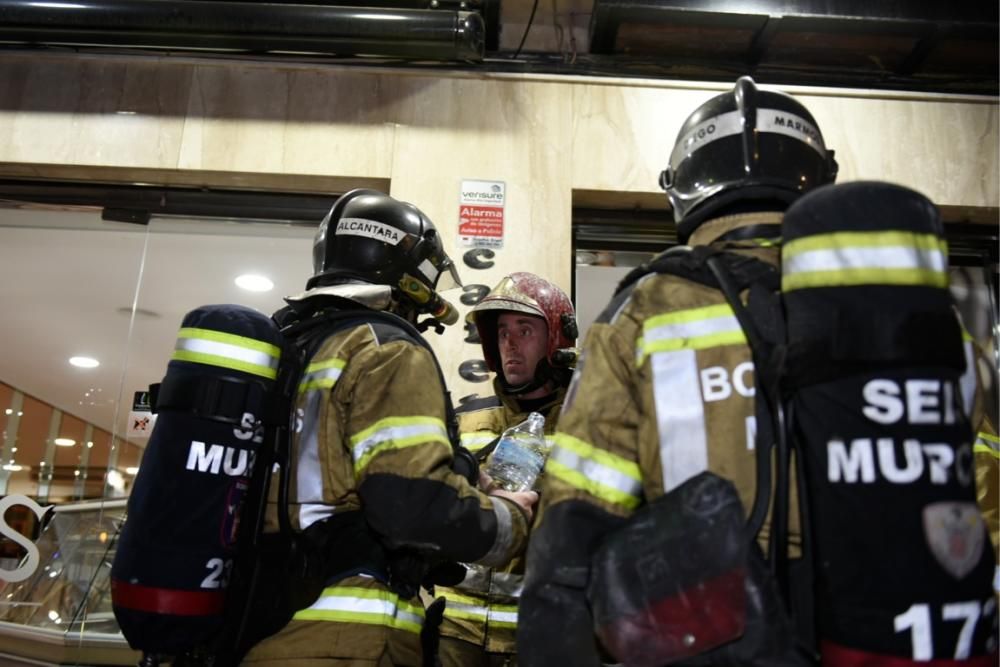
<point x="525" y="293"/>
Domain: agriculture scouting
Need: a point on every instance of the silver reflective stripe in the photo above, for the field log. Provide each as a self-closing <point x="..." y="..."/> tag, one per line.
<point x="680" y="416"/>
<point x="497" y="616"/>
<point x="724" y="125"/>
<point x="353" y="604"/>
<point x="498" y="554"/>
<point x="217" y="348"/>
<point x="363" y="605"/>
<point x="790" y="125"/>
<point x="704" y="133"/>
<point x="600" y="477"/>
<point x="460" y="609"/>
<point x="967" y="383"/>
<point x="308" y="471"/>
<point x="888" y="257"/>
<point x="884" y="257"/>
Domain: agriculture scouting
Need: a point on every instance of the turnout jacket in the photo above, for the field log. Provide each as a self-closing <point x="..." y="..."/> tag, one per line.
<point x="635" y="425"/>
<point x="986" y="450"/>
<point x="371" y="438"/>
<point x="483" y="609"/>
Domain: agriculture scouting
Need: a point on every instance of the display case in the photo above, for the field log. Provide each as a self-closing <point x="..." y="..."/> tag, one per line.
<point x="61" y="614"/>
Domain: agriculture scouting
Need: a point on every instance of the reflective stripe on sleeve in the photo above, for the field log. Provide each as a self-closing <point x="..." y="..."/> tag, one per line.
<point x="680" y="416"/>
<point x="499" y="553"/>
<point x="476" y="440"/>
<point x="693" y="329"/>
<point x="601" y="474"/>
<point x="321" y="375"/>
<point x="864" y="258"/>
<point x="461" y="606"/>
<point x="215" y="348"/>
<point x="987" y="444"/>
<point x="395" y="433"/>
<point x="348" y="604"/>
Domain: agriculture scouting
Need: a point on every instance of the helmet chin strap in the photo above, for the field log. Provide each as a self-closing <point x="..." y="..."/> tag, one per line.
<point x="544" y="373"/>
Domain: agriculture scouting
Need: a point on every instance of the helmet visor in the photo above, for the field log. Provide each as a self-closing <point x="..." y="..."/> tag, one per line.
<point x="449" y="278"/>
<point x="443" y="273"/>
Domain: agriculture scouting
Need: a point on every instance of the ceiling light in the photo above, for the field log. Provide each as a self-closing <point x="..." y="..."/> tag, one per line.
<point x="132" y="470"/>
<point x="116" y="481"/>
<point x="65" y="442"/>
<point x="8" y="411"/>
<point x="13" y="467"/>
<point x="254" y="283"/>
<point x="89" y="444"/>
<point x="84" y="362"/>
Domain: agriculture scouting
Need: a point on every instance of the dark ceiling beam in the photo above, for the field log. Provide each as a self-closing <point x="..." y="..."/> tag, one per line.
<point x="137" y="203"/>
<point x="915" y="45"/>
<point x="256" y="27"/>
<point x="918" y="11"/>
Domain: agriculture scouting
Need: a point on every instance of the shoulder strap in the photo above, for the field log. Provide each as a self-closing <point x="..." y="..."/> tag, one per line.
<point x="768" y="346"/>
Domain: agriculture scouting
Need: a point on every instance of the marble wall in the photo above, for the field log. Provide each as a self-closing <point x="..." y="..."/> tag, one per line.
<point x="320" y="128"/>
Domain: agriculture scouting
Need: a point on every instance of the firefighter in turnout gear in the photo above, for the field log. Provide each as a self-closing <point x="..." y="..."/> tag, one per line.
<point x="664" y="393"/>
<point x="631" y="430"/>
<point x="527" y="327"/>
<point x="371" y="479"/>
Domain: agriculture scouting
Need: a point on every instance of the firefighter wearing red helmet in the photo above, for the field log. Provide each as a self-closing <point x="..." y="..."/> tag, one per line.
<point x="528" y="329"/>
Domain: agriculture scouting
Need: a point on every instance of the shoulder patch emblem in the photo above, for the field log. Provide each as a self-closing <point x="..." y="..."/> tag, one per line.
<point x="955" y="534"/>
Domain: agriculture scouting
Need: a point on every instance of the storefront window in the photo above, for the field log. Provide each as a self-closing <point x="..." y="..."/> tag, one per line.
<point x="98" y="305"/>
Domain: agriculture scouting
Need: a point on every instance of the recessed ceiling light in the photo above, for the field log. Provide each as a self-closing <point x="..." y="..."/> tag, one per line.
<point x="65" y="442"/>
<point x="84" y="362"/>
<point x="254" y="283"/>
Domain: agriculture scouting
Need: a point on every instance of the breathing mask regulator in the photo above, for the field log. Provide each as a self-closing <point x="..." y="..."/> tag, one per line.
<point x="442" y="312"/>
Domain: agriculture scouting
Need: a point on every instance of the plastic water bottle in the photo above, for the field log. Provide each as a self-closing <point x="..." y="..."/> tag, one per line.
<point x="520" y="455"/>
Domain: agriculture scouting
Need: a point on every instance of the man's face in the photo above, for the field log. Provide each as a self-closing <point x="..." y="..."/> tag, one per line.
<point x="522" y="340"/>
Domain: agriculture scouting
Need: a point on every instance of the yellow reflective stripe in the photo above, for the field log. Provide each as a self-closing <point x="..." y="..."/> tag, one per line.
<point x="371" y="606"/>
<point x="395" y="433"/>
<point x="461" y="606"/>
<point x="321" y="375"/>
<point x="594" y="471"/>
<point x="476" y="440"/>
<point x="452" y="596"/>
<point x="987" y="444"/>
<point x="215" y="348"/>
<point x="863" y="258"/>
<point x="692" y="329"/>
